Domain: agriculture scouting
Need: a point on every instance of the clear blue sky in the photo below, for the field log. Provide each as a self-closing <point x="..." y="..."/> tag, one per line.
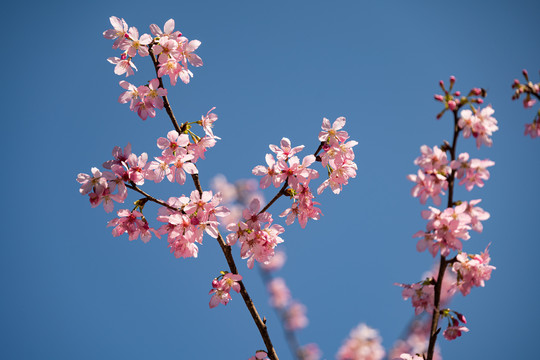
<point x="273" y="69"/>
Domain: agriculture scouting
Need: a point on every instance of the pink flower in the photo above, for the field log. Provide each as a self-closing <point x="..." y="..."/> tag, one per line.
<point x="134" y="44"/>
<point x="155" y="93"/>
<point x="271" y="174"/>
<point x="144" y="108"/>
<point x="187" y="49"/>
<point x="128" y="222"/>
<point x="285" y="151"/>
<point x="533" y="129"/>
<point x="173" y="142"/>
<point x="472" y="270"/>
<point x="96" y="181"/>
<point x="428" y="185"/>
<point x="119" y="31"/>
<point x="123" y="66"/>
<point x="181" y="165"/>
<point x="454" y="331"/>
<point x="421" y="295"/>
<point x="333" y="133"/>
<point x="168" y="30"/>
<point x="480" y="124"/>
<point x="207" y="122"/>
<point x="221" y="289"/>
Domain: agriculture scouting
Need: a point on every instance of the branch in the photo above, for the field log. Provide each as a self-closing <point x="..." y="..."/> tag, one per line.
<point x="443" y="262"/>
<point x="261" y="325"/>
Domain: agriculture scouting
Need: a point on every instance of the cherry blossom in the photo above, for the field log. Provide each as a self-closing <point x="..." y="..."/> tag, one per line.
<point x="363" y="343"/>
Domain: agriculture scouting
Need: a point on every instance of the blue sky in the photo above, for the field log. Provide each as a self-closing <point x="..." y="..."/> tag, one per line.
<point x="273" y="70"/>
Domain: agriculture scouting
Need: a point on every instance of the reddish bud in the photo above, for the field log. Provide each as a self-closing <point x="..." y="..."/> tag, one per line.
<point x="461" y="317"/>
<point x="452" y="105"/>
<point x="457" y="93"/>
<point x="123" y="56"/>
<point x="477" y="91"/>
<point x="439" y="97"/>
<point x="480" y="101"/>
<point x="452" y="79"/>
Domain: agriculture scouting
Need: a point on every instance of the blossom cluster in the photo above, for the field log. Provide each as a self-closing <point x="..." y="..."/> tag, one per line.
<point x="364" y="343"/>
<point x="171" y="52"/>
<point x="439" y="168"/>
<point x="257" y="235"/>
<point x="100" y="187"/>
<point x="472" y="270"/>
<point x="446" y="228"/>
<point x="222" y="286"/>
<point x="532" y="95"/>
<point x="414" y="343"/>
<point x="192" y="217"/>
<point x="186" y="218"/>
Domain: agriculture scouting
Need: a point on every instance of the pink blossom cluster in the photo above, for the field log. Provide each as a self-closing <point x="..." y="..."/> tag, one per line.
<point x="129" y="222"/>
<point x="337" y="158"/>
<point x="532" y="95"/>
<point x="143" y="99"/>
<point x="338" y="155"/>
<point x="236" y="196"/>
<point x="257" y="236"/>
<point x="222" y="286"/>
<point x="432" y="175"/>
<point x="421" y="295"/>
<point x="363" y="343"/>
<point x="479" y="123"/>
<point x="100" y="188"/>
<point x="472" y="270"/>
<point x="186" y="226"/>
<point x="297" y="175"/>
<point x="416" y="342"/>
<point x="173" y="52"/>
<point x="471" y="172"/>
<point x="445" y="228"/>
<point x="187" y="218"/>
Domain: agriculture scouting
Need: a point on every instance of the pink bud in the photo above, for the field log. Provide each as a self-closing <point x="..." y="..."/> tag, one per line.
<point x="452" y="79"/>
<point x="477" y="91"/>
<point x="480" y="101"/>
<point x="441" y="84"/>
<point x="452" y="105"/>
<point x="516" y="82"/>
<point x="525" y="73"/>
<point x="438" y="97"/>
<point x="461" y="317"/>
<point x="215" y="283"/>
<point x="457" y="93"/>
<point x="123" y="56"/>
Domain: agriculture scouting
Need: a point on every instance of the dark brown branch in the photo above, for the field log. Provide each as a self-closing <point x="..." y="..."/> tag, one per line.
<point x="443" y="262"/>
<point x="149" y="197"/>
<point x="224" y="247"/>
